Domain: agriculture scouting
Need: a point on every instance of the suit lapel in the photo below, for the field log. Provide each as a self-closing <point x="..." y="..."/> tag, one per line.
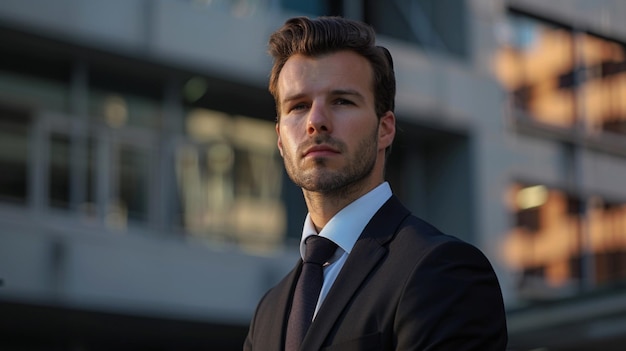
<point x="369" y="249"/>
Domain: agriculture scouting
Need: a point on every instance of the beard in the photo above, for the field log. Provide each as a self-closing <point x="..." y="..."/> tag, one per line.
<point x="336" y="182"/>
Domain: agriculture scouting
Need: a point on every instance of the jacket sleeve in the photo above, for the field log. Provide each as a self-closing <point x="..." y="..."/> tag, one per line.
<point x="451" y="301"/>
<point x="247" y="345"/>
<point x="249" y="342"/>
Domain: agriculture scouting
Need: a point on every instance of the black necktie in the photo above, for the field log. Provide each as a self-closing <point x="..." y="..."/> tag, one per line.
<point x="318" y="251"/>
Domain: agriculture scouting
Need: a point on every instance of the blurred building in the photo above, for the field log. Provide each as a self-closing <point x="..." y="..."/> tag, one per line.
<point x="143" y="205"/>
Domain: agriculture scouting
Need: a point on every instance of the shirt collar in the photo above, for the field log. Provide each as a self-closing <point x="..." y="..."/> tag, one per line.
<point x="346" y="226"/>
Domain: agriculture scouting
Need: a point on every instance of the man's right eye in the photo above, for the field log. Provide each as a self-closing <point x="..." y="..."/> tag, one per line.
<point x="298" y="107"/>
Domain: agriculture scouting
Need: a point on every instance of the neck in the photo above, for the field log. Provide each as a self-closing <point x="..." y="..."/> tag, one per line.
<point x="324" y="206"/>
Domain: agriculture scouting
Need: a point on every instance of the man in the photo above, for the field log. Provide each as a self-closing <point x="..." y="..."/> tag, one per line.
<point x="394" y="281"/>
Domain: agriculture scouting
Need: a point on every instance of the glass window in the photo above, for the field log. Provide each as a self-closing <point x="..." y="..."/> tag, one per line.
<point x="34" y="91"/>
<point x="86" y="190"/>
<point x="229" y="180"/>
<point x="131" y="200"/>
<point x="391" y="18"/>
<point x="607" y="231"/>
<point x="439" y="25"/>
<point x="554" y="237"/>
<point x="73" y="172"/>
<point x="544" y="245"/>
<point x="559" y="77"/>
<point x="59" y="171"/>
<point x="119" y="110"/>
<point x="605" y="86"/>
<point x="125" y="99"/>
<point x="34" y="79"/>
<point x="15" y="126"/>
<point x="317" y="7"/>
<point x="537" y="65"/>
<point x="71" y="176"/>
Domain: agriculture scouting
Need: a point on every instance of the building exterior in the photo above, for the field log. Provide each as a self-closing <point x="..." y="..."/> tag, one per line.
<point x="143" y="204"/>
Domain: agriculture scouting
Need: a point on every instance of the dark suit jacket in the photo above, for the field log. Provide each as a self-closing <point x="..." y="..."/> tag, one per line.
<point x="405" y="286"/>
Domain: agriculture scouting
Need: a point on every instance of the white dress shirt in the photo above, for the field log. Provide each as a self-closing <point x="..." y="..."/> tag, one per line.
<point x="344" y="229"/>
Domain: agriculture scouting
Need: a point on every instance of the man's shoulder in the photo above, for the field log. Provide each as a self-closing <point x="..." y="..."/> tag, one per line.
<point x="394" y="221"/>
<point x="416" y="230"/>
<point x="421" y="235"/>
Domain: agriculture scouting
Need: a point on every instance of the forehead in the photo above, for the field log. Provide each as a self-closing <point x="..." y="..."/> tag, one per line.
<point x="339" y="70"/>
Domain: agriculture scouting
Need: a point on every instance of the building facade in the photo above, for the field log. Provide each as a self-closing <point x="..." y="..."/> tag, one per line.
<point x="143" y="203"/>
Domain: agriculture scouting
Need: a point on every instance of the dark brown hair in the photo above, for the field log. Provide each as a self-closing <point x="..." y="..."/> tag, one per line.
<point x="325" y="35"/>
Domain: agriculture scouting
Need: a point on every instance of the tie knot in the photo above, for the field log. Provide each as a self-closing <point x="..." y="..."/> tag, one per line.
<point x="318" y="249"/>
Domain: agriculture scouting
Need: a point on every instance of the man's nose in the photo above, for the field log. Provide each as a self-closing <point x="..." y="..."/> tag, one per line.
<point x="319" y="120"/>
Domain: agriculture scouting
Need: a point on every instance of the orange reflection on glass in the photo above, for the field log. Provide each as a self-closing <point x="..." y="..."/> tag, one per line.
<point x="550" y="234"/>
<point x="607" y="236"/>
<point x="537" y="67"/>
<point x="605" y="87"/>
<point x="558" y="77"/>
<point x="544" y="244"/>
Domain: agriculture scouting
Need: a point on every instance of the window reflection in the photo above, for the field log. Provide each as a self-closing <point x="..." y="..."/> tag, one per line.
<point x="560" y="77"/>
<point x="229" y="179"/>
<point x="608" y="241"/>
<point x="543" y="242"/>
<point x="550" y="237"/>
<point x="605" y="88"/>
<point x="537" y="66"/>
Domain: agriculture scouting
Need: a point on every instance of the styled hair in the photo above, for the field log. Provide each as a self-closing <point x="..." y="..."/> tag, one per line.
<point x="325" y="35"/>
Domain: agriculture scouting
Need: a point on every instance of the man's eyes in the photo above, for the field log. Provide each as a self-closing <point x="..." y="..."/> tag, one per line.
<point x="303" y="106"/>
<point x="298" y="107"/>
<point x="342" y="101"/>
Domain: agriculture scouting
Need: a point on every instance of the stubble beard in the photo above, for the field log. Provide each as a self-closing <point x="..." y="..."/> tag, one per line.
<point x="341" y="182"/>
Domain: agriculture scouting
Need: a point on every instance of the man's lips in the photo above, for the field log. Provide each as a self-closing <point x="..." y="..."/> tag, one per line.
<point x="319" y="151"/>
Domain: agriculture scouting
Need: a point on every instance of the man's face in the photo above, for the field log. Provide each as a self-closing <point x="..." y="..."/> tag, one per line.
<point x="328" y="131"/>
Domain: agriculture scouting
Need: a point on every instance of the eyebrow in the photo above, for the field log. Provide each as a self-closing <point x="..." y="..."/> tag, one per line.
<point x="334" y="92"/>
<point x="347" y="92"/>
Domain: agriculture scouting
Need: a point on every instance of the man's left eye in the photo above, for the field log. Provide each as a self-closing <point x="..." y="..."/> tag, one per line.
<point x="343" y="102"/>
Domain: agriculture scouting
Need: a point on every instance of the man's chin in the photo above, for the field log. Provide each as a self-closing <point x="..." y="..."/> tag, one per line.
<point x="320" y="184"/>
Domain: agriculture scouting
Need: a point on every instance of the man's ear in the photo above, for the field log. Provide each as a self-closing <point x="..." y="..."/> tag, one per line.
<point x="279" y="142"/>
<point x="386" y="130"/>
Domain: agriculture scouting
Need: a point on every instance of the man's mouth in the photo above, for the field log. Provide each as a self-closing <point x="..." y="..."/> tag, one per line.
<point x="320" y="151"/>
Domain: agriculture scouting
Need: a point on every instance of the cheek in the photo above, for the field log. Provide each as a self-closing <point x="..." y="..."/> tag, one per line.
<point x="360" y="131"/>
<point x="286" y="142"/>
